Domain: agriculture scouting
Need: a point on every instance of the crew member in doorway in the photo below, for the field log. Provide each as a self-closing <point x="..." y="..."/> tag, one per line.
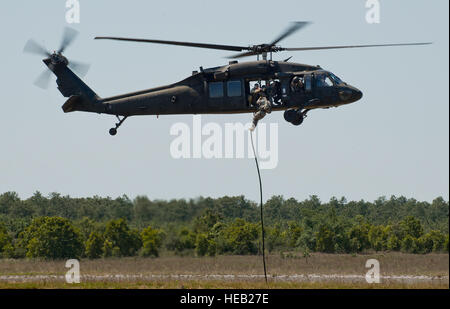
<point x="297" y="84"/>
<point x="264" y="107"/>
<point x="275" y="91"/>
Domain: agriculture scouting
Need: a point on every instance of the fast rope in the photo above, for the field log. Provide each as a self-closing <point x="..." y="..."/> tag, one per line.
<point x="262" y="214"/>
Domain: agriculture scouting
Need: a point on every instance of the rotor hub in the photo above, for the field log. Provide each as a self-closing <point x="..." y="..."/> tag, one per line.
<point x="58" y="58"/>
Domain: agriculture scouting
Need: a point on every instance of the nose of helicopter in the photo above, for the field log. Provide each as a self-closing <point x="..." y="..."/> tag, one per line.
<point x="356" y="94"/>
<point x="352" y="94"/>
<point x="349" y="94"/>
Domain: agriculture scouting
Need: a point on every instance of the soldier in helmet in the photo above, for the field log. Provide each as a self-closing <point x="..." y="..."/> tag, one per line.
<point x="259" y="96"/>
<point x="275" y="91"/>
<point x="296" y="84"/>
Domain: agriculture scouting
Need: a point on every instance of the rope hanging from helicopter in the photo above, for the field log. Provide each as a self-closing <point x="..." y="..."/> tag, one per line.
<point x="261" y="208"/>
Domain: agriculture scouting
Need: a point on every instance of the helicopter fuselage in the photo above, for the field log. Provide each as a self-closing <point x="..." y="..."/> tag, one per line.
<point x="229" y="89"/>
<point x="226" y="90"/>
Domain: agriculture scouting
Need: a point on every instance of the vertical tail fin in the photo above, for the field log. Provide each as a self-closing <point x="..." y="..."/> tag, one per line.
<point x="82" y="98"/>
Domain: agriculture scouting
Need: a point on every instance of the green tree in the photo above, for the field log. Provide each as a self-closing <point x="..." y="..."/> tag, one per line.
<point x="240" y="237"/>
<point x="334" y="226"/>
<point x="201" y="245"/>
<point x="294" y="232"/>
<point x="205" y="223"/>
<point x="8" y="201"/>
<point x="408" y="244"/>
<point x="433" y="241"/>
<point x="276" y="238"/>
<point x="151" y="241"/>
<point x="124" y="241"/>
<point x="107" y="249"/>
<point x="412" y="226"/>
<point x="87" y="226"/>
<point x="393" y="243"/>
<point x="94" y="246"/>
<point x="325" y="239"/>
<point x="212" y="247"/>
<point x="359" y="236"/>
<point x="182" y="241"/>
<point x="378" y="237"/>
<point x="307" y="241"/>
<point x="6" y="247"/>
<point x="51" y="237"/>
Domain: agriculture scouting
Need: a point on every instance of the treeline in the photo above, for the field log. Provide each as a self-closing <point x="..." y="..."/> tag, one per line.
<point x="60" y="226"/>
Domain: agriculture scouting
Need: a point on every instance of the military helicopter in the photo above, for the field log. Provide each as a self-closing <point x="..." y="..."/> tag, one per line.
<point x="292" y="87"/>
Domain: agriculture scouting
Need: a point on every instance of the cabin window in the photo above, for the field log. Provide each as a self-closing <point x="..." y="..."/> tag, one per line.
<point x="308" y="83"/>
<point x="216" y="90"/>
<point x="234" y="88"/>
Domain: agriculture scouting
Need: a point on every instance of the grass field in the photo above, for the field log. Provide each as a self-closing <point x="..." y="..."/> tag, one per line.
<point x="317" y="271"/>
<point x="221" y="285"/>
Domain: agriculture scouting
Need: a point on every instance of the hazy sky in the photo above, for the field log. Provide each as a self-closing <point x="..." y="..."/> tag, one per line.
<point x="395" y="141"/>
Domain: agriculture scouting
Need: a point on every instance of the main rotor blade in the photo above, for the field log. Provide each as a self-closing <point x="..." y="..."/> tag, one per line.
<point x="43" y="79"/>
<point x="33" y="47"/>
<point x="79" y="67"/>
<point x="68" y="36"/>
<point x="352" y="46"/>
<point x="189" y="44"/>
<point x="290" y="30"/>
<point x="245" y="54"/>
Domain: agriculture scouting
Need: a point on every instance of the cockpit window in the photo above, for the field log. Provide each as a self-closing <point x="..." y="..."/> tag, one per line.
<point x="336" y="79"/>
<point x="323" y="80"/>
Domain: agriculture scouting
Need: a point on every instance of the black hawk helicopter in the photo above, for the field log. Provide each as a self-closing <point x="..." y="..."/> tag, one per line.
<point x="293" y="87"/>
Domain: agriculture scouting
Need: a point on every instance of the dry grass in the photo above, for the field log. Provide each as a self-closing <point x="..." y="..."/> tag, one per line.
<point x="192" y="272"/>
<point x="175" y="284"/>
<point x="390" y="264"/>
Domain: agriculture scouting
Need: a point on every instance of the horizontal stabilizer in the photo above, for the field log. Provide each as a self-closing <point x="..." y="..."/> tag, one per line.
<point x="75" y="103"/>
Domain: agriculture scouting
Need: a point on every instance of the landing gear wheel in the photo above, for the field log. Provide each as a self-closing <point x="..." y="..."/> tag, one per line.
<point x="290" y="115"/>
<point x="113" y="131"/>
<point x="294" y="116"/>
<point x="297" y="122"/>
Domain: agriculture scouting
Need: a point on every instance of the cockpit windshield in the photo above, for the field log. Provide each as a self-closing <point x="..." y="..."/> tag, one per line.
<point x="323" y="80"/>
<point x="336" y="79"/>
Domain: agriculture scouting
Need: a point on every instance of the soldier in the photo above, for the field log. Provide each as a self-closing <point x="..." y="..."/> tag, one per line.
<point x="254" y="94"/>
<point x="275" y="91"/>
<point x="259" y="96"/>
<point x="296" y="84"/>
<point x="255" y="90"/>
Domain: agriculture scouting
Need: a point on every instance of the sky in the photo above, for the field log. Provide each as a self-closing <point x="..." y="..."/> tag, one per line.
<point x="394" y="141"/>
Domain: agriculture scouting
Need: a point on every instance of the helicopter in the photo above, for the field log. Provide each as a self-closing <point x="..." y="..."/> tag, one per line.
<point x="291" y="87"/>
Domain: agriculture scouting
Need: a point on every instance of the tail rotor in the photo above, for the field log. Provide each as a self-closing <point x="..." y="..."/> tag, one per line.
<point x="55" y="59"/>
